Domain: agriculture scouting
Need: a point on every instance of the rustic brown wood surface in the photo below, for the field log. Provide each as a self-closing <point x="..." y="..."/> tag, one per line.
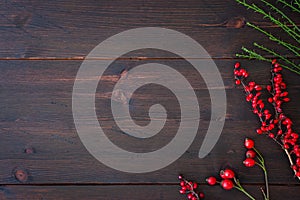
<point x="43" y="44"/>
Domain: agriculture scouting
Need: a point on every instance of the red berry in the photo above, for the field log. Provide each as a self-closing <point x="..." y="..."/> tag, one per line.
<point x="195" y="185"/>
<point x="274" y="61"/>
<point x="190" y="195"/>
<point x="286" y="99"/>
<point x="279" y="132"/>
<point x="271" y="126"/>
<point x="227" y="184"/>
<point x="249" y="143"/>
<point x="237" y="65"/>
<point x="287" y="121"/>
<point x="259" y="131"/>
<point x="238" y="82"/>
<point x="222" y="174"/>
<point x="286" y="146"/>
<point x="228" y="173"/>
<point x="261" y="105"/>
<point x="182" y="191"/>
<point x="270" y="100"/>
<point x="182" y="183"/>
<point x="211" y="180"/>
<point x="294" y="167"/>
<point x="252" y="83"/>
<point x="268" y="116"/>
<point x="258" y="88"/>
<point x="201" y="195"/>
<point x="249" y="162"/>
<point x="284" y="94"/>
<point x="250" y="154"/>
<point x="249" y="97"/>
<point x="281" y="116"/>
<point x="188" y="187"/>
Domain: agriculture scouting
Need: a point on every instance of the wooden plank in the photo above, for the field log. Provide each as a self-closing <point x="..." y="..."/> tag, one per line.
<point x="38" y="134"/>
<point x="59" y="157"/>
<point x="64" y="29"/>
<point x="159" y="192"/>
<point x="49" y="84"/>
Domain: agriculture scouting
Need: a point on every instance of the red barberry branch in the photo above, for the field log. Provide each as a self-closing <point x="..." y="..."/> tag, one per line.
<point x="188" y="188"/>
<point x="251" y="155"/>
<point x="228" y="179"/>
<point x="228" y="182"/>
<point x="276" y="125"/>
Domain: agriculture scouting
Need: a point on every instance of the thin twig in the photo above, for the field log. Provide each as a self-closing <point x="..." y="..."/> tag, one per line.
<point x="291" y="161"/>
<point x="289" y="46"/>
<point x="284" y="16"/>
<point x="291" y="6"/>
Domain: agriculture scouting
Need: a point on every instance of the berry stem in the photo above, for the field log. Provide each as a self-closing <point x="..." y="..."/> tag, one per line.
<point x="291" y="161"/>
<point x="264" y="194"/>
<point x="239" y="187"/>
<point x="260" y="157"/>
<point x="263" y="167"/>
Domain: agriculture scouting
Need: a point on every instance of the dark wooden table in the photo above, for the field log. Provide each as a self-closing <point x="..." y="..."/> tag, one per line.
<point x="43" y="44"/>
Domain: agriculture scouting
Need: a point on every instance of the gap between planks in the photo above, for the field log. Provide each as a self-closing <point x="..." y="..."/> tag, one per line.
<point x="132" y="184"/>
<point x="129" y="58"/>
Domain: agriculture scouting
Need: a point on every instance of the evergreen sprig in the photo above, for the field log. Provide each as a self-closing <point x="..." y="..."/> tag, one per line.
<point x="291" y="5"/>
<point x="285" y="23"/>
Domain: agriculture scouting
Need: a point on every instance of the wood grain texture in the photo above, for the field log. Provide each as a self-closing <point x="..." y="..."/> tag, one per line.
<point x="64" y="29"/>
<point x="42" y="46"/>
<point x="37" y="114"/>
<point x="147" y="192"/>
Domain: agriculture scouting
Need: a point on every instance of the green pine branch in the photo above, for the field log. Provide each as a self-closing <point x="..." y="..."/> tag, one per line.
<point x="286" y="63"/>
<point x="295" y="29"/>
<point x="285" y="23"/>
<point x="290" y="5"/>
<point x="287" y="45"/>
<point x="297" y="3"/>
<point x="269" y="16"/>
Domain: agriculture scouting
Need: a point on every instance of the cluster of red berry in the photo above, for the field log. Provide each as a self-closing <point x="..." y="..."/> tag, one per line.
<point x="226" y="183"/>
<point x="228" y="179"/>
<point x="250" y="154"/>
<point x="228" y="176"/>
<point x="275" y="124"/>
<point x="188" y="188"/>
<point x="254" y="157"/>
